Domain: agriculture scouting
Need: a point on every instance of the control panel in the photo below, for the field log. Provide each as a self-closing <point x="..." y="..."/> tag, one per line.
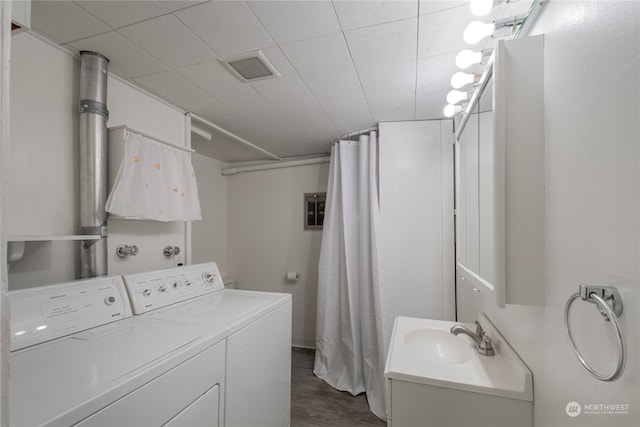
<point x="157" y="289"/>
<point x="48" y="312"/>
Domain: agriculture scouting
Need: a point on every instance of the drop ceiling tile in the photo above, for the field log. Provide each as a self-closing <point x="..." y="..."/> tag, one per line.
<point x="434" y="75"/>
<point x="315" y="123"/>
<point x="397" y="110"/>
<point x="389" y="79"/>
<point x="229" y="27"/>
<point x="120" y="13"/>
<point x="431" y="6"/>
<point x="343" y="111"/>
<point x="126" y="58"/>
<point x="173" y="5"/>
<point x="213" y="77"/>
<point x="289" y="96"/>
<point x="352" y="122"/>
<point x="289" y="21"/>
<point x="320" y="56"/>
<point x="393" y="99"/>
<point x="169" y="40"/>
<point x="244" y="102"/>
<point x="171" y="86"/>
<point x="383" y="44"/>
<point x="65" y="21"/>
<point x="287" y="141"/>
<point x="441" y="32"/>
<point x="357" y="14"/>
<point x="270" y="118"/>
<point x="330" y="88"/>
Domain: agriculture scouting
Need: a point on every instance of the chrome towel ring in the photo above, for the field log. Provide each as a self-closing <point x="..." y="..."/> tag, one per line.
<point x="609" y="303"/>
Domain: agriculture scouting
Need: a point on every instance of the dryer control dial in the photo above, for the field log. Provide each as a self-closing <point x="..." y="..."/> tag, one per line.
<point x="110" y="300"/>
<point x="208" y="278"/>
<point x="146" y="292"/>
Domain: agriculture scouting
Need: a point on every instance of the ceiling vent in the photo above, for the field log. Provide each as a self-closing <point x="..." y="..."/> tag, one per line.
<point x="251" y="67"/>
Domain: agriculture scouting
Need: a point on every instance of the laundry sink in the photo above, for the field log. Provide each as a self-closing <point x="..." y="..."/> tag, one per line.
<point x="428" y="368"/>
<point x="437" y="346"/>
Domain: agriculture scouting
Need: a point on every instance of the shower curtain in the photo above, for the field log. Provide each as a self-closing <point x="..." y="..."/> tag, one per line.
<point x="349" y="343"/>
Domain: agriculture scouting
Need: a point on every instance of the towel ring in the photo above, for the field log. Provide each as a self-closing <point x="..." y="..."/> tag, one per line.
<point x="609" y="303"/>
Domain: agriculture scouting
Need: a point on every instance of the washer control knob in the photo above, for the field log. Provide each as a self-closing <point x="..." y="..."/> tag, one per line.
<point x="146" y="292"/>
<point x="110" y="300"/>
<point x="162" y="288"/>
<point x="208" y="278"/>
<point x="175" y="285"/>
<point x="187" y="283"/>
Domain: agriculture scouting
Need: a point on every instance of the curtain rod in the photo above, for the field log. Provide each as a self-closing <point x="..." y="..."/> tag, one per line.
<point x="358" y="132"/>
<point x="155" y="138"/>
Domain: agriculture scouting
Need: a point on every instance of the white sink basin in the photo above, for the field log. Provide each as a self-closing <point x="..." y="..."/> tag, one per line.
<point x="437" y="346"/>
<point x="424" y="351"/>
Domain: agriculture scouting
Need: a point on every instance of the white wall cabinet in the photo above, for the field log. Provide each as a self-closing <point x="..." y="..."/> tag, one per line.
<point x="500" y="184"/>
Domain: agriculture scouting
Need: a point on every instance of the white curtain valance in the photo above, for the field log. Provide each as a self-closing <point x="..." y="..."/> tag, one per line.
<point x="155" y="181"/>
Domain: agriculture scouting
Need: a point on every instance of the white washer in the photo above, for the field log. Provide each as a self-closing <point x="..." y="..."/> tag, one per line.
<point x="258" y="328"/>
<point x="78" y="357"/>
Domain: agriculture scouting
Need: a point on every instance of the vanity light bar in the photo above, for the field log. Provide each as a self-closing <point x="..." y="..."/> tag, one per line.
<point x="477" y="31"/>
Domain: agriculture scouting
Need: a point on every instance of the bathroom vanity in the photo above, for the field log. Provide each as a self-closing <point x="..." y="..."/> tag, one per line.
<point x="436" y="378"/>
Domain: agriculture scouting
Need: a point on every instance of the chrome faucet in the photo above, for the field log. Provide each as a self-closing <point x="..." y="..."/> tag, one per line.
<point x="480" y="338"/>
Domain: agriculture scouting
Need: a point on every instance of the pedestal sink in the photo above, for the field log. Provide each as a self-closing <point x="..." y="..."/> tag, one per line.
<point x="436" y="378"/>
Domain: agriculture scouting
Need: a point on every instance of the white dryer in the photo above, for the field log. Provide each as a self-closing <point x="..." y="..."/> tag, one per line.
<point x="258" y="330"/>
<point x="78" y="357"/>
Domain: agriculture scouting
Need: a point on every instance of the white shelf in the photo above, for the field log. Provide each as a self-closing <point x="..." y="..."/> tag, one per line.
<point x="46" y="238"/>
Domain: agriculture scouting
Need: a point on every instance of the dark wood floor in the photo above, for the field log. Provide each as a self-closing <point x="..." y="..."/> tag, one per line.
<point x="314" y="403"/>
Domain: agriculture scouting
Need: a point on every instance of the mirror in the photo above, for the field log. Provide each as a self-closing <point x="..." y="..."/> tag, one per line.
<point x="477" y="258"/>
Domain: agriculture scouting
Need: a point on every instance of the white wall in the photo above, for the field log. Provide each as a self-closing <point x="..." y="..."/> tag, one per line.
<point x="416" y="220"/>
<point x="592" y="212"/>
<point x="267" y="239"/>
<point x="209" y="236"/>
<point x="134" y="108"/>
<point x="43" y="180"/>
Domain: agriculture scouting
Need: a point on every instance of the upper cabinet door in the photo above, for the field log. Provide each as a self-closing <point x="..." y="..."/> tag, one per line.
<point x="500" y="178"/>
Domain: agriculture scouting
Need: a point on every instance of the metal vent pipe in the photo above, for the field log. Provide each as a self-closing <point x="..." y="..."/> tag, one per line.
<point x="93" y="162"/>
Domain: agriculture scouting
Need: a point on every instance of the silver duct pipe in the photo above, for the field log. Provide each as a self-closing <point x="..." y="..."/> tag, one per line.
<point x="93" y="162"/>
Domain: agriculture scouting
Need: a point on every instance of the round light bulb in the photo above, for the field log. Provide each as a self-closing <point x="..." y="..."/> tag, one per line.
<point x="476" y="31"/>
<point x="481" y="7"/>
<point x="467" y="58"/>
<point x="461" y="79"/>
<point x="455" y="96"/>
<point x="450" y="110"/>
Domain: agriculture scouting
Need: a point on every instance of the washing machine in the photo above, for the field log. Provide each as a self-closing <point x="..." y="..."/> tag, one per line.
<point x="79" y="357"/>
<point x="258" y="335"/>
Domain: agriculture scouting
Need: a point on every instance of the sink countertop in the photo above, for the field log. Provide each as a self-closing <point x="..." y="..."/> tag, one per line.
<point x="503" y="374"/>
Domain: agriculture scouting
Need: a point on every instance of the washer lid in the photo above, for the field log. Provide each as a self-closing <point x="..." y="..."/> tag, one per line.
<point x="74" y="376"/>
<point x="48" y="312"/>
